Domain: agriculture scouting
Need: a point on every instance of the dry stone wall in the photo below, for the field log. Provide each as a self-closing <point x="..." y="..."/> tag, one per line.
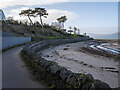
<point x="55" y="75"/>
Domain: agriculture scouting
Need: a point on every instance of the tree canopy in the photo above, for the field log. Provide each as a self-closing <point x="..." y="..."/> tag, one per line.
<point x="29" y="13"/>
<point x="41" y="12"/>
<point x="62" y="19"/>
<point x="75" y="29"/>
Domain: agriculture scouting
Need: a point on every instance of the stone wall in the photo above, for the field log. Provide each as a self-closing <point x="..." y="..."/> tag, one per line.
<point x="52" y="73"/>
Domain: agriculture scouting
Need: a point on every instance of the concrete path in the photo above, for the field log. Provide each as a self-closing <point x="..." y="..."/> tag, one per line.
<point x="15" y="72"/>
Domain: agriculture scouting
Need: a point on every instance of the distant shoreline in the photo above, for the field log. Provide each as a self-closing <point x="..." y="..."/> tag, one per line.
<point x="109" y="40"/>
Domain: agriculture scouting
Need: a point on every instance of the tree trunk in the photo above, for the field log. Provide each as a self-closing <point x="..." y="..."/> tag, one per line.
<point x="30" y="20"/>
<point x="42" y="25"/>
<point x="78" y="31"/>
<point x="63" y="25"/>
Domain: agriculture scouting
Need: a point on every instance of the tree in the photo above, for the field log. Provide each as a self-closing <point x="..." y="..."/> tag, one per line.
<point x="29" y="13"/>
<point x="25" y="22"/>
<point x="79" y="31"/>
<point x="70" y="27"/>
<point x="37" y="24"/>
<point x="62" y="20"/>
<point x="75" y="29"/>
<point x="41" y="12"/>
<point x="10" y="19"/>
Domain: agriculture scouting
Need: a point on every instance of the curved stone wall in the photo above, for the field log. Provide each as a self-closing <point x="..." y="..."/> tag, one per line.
<point x="53" y="74"/>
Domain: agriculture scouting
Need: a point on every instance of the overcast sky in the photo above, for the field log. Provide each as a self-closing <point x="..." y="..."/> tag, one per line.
<point x="89" y="17"/>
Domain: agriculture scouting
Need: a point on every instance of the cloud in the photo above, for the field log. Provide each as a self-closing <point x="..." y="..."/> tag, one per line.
<point x="53" y="15"/>
<point x="15" y="13"/>
<point x="18" y="10"/>
<point x="7" y="3"/>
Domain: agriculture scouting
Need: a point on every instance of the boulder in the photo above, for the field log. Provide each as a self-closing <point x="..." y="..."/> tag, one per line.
<point x="80" y="80"/>
<point x="54" y="69"/>
<point x="71" y="79"/>
<point x="64" y="73"/>
<point x="99" y="85"/>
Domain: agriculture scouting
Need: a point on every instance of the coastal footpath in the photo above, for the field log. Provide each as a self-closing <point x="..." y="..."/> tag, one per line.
<point x="15" y="74"/>
<point x="53" y="74"/>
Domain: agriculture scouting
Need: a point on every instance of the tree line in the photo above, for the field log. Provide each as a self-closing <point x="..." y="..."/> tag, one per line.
<point x="37" y="12"/>
<point x="40" y="12"/>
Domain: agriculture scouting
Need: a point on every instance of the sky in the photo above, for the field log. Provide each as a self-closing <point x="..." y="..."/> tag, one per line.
<point x="89" y="17"/>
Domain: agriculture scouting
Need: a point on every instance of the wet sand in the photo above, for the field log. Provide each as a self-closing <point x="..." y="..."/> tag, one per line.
<point x="71" y="57"/>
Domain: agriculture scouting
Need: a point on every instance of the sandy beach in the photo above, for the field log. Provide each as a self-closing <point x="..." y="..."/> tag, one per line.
<point x="71" y="57"/>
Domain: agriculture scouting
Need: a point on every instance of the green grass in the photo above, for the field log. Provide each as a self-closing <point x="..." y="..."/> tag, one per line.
<point x="36" y="38"/>
<point x="36" y="32"/>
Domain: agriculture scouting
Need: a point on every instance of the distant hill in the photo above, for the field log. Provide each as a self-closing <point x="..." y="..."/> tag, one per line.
<point x="105" y="36"/>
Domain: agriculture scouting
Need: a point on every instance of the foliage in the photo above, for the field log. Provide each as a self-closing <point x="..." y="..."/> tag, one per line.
<point x="52" y="86"/>
<point x="29" y="13"/>
<point x="62" y="19"/>
<point x="47" y="26"/>
<point x="75" y="35"/>
<point x="41" y="12"/>
<point x="12" y="21"/>
<point x="34" y="38"/>
<point x="75" y="29"/>
<point x="70" y="27"/>
<point x="37" y="24"/>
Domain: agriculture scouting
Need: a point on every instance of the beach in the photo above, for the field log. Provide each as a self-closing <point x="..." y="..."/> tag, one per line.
<point x="73" y="58"/>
